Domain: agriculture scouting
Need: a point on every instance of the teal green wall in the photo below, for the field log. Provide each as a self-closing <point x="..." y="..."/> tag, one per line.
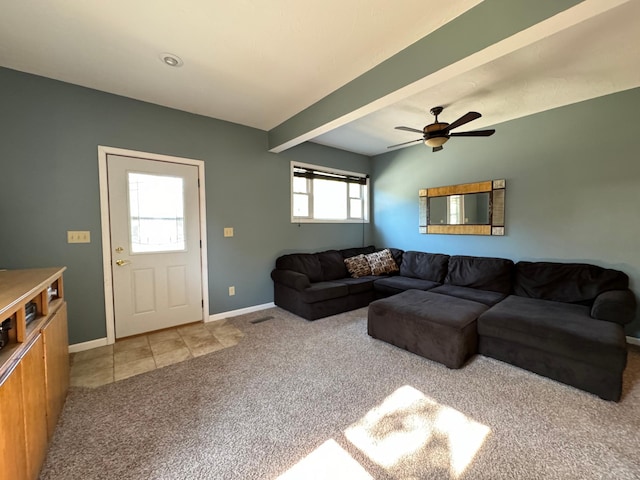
<point x="573" y="187"/>
<point x="49" y="137"/>
<point x="570" y="196"/>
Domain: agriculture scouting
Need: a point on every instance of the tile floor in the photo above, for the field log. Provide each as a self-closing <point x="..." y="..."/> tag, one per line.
<point x="140" y="354"/>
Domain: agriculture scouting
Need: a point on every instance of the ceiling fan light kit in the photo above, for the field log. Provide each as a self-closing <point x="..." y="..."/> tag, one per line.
<point x="436" y="134"/>
<point x="436" y="141"/>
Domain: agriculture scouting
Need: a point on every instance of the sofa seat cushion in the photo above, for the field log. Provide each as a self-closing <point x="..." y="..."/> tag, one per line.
<point x="482" y="296"/>
<point x="321" y="291"/>
<point x="397" y="284"/>
<point x="563" y="329"/>
<point x="484" y="273"/>
<point x="358" y="285"/>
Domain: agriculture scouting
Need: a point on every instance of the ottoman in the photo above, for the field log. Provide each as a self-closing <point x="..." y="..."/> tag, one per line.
<point x="435" y="326"/>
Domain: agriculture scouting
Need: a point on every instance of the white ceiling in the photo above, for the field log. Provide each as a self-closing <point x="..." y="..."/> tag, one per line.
<point x="258" y="63"/>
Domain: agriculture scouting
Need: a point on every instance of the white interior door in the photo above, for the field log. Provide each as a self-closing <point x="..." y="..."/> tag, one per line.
<point x="155" y="241"/>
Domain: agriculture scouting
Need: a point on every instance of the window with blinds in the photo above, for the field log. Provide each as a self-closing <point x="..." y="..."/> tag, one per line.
<point x="320" y="194"/>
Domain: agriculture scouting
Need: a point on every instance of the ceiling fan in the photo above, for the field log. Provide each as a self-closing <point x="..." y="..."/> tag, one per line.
<point x="437" y="134"/>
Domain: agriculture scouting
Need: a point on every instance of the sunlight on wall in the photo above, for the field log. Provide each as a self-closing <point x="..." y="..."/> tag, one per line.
<point x="328" y="461"/>
<point x="409" y="428"/>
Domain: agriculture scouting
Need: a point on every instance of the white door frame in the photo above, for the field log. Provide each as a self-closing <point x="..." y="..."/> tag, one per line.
<point x="103" y="151"/>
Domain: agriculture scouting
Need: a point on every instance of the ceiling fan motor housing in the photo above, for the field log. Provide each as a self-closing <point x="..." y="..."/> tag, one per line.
<point x="435" y="127"/>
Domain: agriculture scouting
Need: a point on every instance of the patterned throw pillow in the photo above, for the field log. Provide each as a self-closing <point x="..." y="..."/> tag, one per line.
<point x="382" y="262"/>
<point x="358" y="266"/>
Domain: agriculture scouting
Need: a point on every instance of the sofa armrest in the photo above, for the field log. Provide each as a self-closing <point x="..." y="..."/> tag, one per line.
<point x="617" y="306"/>
<point x="291" y="279"/>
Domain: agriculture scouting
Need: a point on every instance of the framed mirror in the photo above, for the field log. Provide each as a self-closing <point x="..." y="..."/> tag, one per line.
<point x="466" y="209"/>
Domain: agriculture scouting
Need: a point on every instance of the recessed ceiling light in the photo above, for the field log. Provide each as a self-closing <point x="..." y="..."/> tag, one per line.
<point x="171" y="59"/>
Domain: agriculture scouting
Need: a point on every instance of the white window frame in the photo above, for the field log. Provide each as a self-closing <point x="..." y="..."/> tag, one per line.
<point x="309" y="219"/>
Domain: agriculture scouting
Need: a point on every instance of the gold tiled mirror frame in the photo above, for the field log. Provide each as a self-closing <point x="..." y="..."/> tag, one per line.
<point x="496" y="190"/>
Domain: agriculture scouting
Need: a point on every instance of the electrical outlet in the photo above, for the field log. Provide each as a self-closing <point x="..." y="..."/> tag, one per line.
<point x="232" y="291"/>
<point x="78" y="236"/>
<point x="228" y="231"/>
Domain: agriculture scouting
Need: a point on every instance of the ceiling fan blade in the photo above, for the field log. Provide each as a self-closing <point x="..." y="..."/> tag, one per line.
<point x="476" y="133"/>
<point x="463" y="119"/>
<point x="409" y="129"/>
<point x="437" y="149"/>
<point x="404" y="143"/>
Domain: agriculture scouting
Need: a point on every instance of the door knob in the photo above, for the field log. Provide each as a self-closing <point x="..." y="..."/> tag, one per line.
<point x="120" y="263"/>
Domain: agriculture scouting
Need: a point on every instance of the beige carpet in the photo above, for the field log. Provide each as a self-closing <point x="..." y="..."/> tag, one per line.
<point x="302" y="400"/>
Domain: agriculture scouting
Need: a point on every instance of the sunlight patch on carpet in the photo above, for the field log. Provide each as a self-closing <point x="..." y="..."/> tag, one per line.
<point x="408" y="428"/>
<point x="329" y="461"/>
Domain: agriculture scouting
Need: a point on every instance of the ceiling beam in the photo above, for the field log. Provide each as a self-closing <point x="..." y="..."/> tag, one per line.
<point x="484" y="25"/>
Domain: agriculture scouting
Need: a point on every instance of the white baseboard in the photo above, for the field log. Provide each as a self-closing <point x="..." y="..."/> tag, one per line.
<point x="79" y="347"/>
<point x="633" y="340"/>
<point x="234" y="313"/>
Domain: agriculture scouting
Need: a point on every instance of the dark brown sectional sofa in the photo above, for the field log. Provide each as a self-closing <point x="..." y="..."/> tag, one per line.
<point x="561" y="320"/>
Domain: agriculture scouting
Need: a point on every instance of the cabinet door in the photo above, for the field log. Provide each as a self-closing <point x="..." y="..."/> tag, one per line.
<point x="13" y="458"/>
<point x="35" y="406"/>
<point x="56" y="361"/>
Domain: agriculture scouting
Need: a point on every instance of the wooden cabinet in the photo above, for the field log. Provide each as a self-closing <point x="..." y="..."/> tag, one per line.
<point x="34" y="406"/>
<point x="13" y="463"/>
<point x="34" y="369"/>
<point x="56" y="356"/>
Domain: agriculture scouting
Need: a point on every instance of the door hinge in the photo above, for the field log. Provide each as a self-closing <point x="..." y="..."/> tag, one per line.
<point x="198" y="183"/>
<point x="202" y="301"/>
<point x="200" y="243"/>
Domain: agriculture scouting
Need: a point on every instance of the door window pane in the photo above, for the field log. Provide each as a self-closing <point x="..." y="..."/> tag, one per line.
<point x="156" y="210"/>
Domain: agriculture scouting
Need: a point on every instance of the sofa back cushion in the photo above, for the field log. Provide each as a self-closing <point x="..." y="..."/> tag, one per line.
<point x="353" y="252"/>
<point x="484" y="273"/>
<point x="426" y="266"/>
<point x="306" y="263"/>
<point x="566" y="282"/>
<point x="332" y="265"/>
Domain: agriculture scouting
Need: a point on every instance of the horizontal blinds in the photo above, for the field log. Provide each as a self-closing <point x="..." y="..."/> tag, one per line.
<point x="313" y="173"/>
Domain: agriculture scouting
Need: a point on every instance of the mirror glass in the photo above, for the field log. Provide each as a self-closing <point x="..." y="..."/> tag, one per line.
<point x="466" y="209"/>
